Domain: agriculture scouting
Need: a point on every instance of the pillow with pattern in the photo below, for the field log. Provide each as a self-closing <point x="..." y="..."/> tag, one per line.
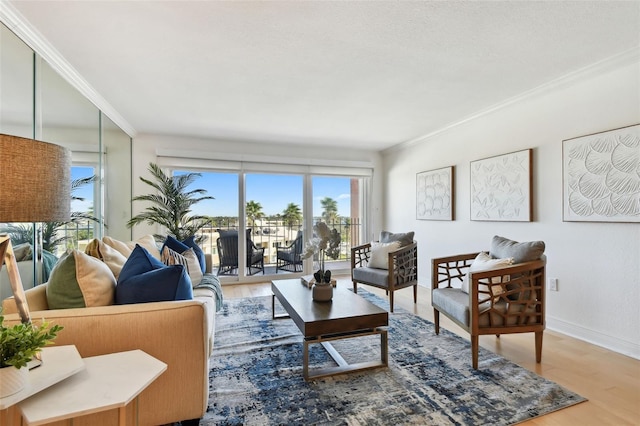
<point x="484" y="262"/>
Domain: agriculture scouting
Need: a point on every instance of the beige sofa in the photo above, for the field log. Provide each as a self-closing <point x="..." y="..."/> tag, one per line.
<point x="179" y="333"/>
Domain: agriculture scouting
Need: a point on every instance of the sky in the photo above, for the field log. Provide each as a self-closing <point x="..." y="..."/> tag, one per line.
<point x="273" y="192"/>
<point x="85" y="191"/>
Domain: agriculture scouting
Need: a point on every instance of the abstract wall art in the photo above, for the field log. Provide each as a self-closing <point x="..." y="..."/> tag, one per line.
<point x="501" y="187"/>
<point x="434" y="194"/>
<point x="601" y="176"/>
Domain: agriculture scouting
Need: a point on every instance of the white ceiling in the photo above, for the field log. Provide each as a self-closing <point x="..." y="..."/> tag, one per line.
<point x="347" y="73"/>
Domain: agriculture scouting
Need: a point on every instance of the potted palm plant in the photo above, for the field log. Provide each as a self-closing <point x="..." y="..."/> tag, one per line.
<point x="19" y="344"/>
<point x="171" y="204"/>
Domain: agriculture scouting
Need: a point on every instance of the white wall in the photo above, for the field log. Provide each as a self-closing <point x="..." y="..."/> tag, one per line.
<point x="146" y="147"/>
<point x="597" y="264"/>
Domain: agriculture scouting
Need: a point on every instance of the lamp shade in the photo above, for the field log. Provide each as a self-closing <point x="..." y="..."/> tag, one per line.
<point x="35" y="181"/>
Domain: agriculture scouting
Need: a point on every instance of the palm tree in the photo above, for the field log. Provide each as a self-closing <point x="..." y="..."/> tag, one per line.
<point x="292" y="215"/>
<point x="329" y="209"/>
<point x="171" y="204"/>
<point x="253" y="212"/>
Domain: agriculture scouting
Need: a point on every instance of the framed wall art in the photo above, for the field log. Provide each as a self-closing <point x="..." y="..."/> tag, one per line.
<point x="434" y="194"/>
<point x="501" y="187"/>
<point x="601" y="176"/>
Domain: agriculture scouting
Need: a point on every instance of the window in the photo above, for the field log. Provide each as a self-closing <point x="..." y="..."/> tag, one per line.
<point x="271" y="204"/>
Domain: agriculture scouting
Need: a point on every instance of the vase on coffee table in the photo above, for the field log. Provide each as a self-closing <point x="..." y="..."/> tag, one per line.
<point x="322" y="292"/>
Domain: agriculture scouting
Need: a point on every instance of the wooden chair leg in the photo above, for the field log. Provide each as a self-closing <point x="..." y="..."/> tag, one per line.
<point x="436" y="320"/>
<point x="539" y="346"/>
<point x="390" y="301"/>
<point x="355" y="287"/>
<point x="474" y="352"/>
<point x="415" y="293"/>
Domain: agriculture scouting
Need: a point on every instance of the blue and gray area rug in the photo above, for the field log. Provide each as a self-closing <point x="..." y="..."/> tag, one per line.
<point x="256" y="377"/>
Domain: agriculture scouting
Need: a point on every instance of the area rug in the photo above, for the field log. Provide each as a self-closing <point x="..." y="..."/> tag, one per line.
<point x="256" y="377"/>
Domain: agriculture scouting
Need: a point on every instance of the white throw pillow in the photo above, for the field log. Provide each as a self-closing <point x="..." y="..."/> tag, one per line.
<point x="380" y="254"/>
<point x="126" y="247"/>
<point x="484" y="262"/>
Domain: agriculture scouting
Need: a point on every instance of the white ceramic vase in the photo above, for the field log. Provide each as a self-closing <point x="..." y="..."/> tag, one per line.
<point x="322" y="292"/>
<point x="12" y="380"/>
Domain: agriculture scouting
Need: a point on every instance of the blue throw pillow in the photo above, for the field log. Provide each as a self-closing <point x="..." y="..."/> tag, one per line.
<point x="191" y="242"/>
<point x="174" y="245"/>
<point x="145" y="279"/>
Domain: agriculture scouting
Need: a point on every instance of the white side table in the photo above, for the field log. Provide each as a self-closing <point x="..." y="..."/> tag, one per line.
<point x="108" y="382"/>
<point x="58" y="363"/>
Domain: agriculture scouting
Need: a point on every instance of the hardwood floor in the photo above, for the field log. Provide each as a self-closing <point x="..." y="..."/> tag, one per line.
<point x="609" y="380"/>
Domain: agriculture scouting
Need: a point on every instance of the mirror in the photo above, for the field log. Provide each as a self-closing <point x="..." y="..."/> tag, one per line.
<point x="16" y="85"/>
<point x="37" y="102"/>
<point x="16" y="118"/>
<point x="117" y="188"/>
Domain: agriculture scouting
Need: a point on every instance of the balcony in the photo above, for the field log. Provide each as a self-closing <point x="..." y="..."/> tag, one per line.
<point x="273" y="233"/>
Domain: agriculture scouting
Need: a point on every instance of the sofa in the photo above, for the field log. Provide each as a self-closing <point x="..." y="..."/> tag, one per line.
<point x="178" y="332"/>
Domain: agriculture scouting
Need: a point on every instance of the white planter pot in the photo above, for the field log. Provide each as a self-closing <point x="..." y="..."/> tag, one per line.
<point x="322" y="292"/>
<point x="12" y="380"/>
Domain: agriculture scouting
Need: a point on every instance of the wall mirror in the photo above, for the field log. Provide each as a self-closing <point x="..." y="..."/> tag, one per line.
<point x="37" y="102"/>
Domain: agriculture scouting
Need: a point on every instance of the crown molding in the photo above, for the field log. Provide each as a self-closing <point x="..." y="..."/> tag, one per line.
<point x="624" y="58"/>
<point x="22" y="28"/>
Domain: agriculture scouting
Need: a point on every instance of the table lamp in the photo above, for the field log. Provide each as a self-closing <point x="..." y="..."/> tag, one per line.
<point x="35" y="186"/>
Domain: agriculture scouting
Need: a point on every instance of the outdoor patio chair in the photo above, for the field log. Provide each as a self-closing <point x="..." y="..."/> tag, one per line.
<point x="390" y="264"/>
<point x="289" y="258"/>
<point x="228" y="253"/>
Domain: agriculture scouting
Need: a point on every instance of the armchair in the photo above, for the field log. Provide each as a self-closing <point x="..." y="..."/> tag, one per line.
<point x="500" y="299"/>
<point x="289" y="258"/>
<point x="227" y="245"/>
<point x="401" y="270"/>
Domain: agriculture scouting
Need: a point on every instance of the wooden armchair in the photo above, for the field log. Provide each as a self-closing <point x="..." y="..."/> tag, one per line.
<point x="502" y="300"/>
<point x="401" y="272"/>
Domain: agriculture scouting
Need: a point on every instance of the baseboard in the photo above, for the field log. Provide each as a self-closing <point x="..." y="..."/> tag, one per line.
<point x="600" y="339"/>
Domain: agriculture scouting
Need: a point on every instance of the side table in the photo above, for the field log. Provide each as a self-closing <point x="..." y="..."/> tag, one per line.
<point x="108" y="382"/>
<point x="58" y="363"/>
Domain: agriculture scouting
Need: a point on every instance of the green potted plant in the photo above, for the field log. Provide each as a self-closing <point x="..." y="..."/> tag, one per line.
<point x="19" y="344"/>
<point x="171" y="204"/>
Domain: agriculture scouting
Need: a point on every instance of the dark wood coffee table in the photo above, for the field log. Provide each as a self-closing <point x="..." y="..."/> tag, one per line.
<point x="348" y="315"/>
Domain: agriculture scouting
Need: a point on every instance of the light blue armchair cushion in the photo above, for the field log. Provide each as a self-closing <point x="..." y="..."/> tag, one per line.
<point x="502" y="248"/>
<point x="371" y="275"/>
<point x="405" y="238"/>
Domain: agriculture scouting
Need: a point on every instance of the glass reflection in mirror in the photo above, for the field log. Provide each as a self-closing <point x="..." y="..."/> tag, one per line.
<point x="16" y="118"/>
<point x="117" y="188"/>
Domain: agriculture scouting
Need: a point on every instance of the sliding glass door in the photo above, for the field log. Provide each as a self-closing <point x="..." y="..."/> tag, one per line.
<point x="337" y="202"/>
<point x="259" y="221"/>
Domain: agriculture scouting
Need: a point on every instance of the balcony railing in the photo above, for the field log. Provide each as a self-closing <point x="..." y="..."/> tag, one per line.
<point x="265" y="233"/>
<point x="273" y="233"/>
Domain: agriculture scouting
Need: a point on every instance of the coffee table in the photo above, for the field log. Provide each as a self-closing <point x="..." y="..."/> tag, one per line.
<point x="348" y="315"/>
